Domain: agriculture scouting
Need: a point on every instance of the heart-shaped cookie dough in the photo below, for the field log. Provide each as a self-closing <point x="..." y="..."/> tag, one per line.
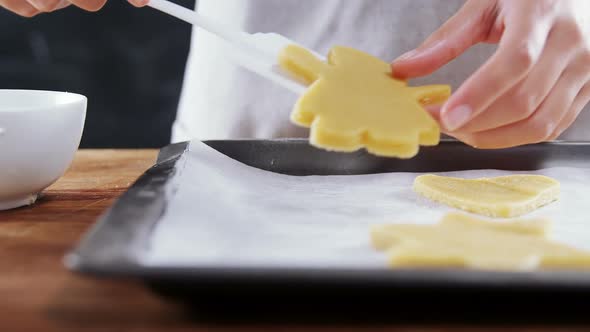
<point x="505" y="196"/>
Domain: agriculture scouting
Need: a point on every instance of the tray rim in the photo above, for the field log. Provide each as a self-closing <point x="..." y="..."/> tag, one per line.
<point x="82" y="259"/>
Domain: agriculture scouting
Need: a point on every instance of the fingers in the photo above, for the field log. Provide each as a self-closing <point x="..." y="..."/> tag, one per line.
<point x="579" y="103"/>
<point x="538" y="127"/>
<point x="44" y="6"/>
<point x="520" y="48"/>
<point x="20" y="7"/>
<point x="523" y="99"/>
<point x="139" y="3"/>
<point x="47" y="6"/>
<point x="30" y="8"/>
<point x="466" y="28"/>
<point x="89" y="5"/>
<point x="63" y="4"/>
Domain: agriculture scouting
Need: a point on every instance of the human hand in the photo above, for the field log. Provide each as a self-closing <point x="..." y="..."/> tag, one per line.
<point x="533" y="87"/>
<point x="30" y="8"/>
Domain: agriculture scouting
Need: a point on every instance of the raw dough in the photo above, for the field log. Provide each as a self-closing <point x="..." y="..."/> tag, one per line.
<point x="467" y="242"/>
<point x="505" y="196"/>
<point x="354" y="102"/>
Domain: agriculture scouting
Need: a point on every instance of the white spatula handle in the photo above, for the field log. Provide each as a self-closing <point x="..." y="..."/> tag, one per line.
<point x="256" y="52"/>
<point x="231" y="35"/>
<point x="238" y="38"/>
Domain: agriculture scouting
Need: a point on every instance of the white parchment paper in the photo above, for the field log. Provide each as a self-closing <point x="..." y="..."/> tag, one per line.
<point x="226" y="214"/>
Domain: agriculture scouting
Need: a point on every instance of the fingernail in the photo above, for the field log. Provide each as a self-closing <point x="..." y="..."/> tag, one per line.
<point x="407" y="55"/>
<point x="457" y="117"/>
<point x="62" y="4"/>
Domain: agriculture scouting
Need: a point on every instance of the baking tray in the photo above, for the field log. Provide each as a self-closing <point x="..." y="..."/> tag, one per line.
<point x="112" y="247"/>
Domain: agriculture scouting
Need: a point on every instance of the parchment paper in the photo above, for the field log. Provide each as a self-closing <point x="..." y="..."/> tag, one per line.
<point x="226" y="214"/>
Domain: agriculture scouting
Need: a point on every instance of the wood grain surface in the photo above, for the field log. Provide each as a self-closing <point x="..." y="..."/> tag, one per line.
<point x="38" y="294"/>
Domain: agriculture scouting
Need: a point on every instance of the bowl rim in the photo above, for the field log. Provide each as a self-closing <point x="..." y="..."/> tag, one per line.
<point x="77" y="98"/>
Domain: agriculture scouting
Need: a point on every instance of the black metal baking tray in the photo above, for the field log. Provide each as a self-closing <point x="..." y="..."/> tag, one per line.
<point x="112" y="246"/>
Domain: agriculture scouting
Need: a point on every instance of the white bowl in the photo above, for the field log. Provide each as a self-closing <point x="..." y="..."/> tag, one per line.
<point x="40" y="132"/>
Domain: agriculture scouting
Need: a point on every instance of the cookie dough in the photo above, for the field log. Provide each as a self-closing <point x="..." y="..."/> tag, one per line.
<point x="505" y="196"/>
<point x="353" y="102"/>
<point x="463" y="241"/>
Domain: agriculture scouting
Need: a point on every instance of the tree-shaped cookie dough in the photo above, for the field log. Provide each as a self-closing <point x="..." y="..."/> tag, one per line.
<point x="462" y="241"/>
<point x="353" y="102"/>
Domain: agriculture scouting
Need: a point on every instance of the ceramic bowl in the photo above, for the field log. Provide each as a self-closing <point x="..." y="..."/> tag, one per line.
<point x="40" y="132"/>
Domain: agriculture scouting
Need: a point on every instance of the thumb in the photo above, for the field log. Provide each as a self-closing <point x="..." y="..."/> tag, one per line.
<point x="465" y="29"/>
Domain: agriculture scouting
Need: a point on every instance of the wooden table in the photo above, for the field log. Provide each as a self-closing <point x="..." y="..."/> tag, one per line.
<point x="38" y="293"/>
